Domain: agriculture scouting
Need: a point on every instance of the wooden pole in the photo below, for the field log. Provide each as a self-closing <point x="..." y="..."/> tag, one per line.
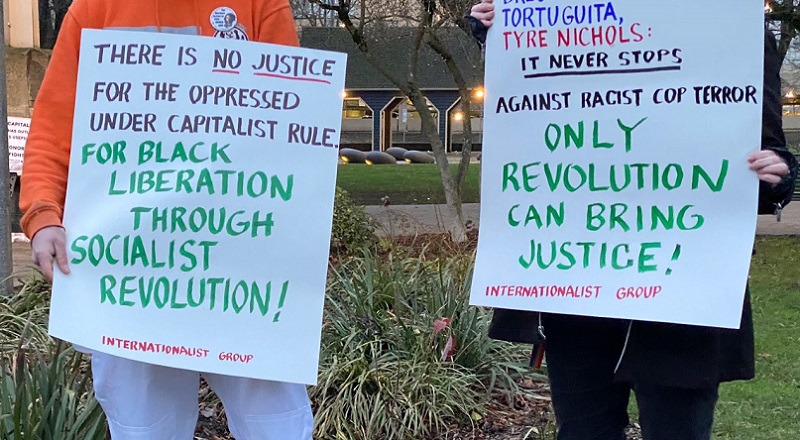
<point x="6" y="200"/>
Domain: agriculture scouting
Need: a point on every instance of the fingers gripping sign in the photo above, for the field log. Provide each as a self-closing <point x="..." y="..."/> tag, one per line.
<point x="484" y="11"/>
<point x="768" y="166"/>
<point x="49" y="246"/>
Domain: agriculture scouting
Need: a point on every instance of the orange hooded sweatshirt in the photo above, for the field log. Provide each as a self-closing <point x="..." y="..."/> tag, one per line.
<point x="46" y="164"/>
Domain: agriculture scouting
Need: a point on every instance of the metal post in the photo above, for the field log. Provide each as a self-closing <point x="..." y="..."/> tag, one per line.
<point x="6" y="261"/>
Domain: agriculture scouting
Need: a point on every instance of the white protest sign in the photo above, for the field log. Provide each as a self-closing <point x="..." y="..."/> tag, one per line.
<point x="614" y="173"/>
<point x="17" y="136"/>
<point x="199" y="203"/>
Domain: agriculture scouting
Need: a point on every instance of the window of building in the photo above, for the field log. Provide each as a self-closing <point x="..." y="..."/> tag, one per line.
<point x="355" y="108"/>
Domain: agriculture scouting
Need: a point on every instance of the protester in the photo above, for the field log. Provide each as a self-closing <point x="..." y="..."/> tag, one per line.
<point x="674" y="370"/>
<point x="144" y="401"/>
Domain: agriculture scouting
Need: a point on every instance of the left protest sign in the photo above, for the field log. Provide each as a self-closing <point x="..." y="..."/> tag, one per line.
<point x="199" y="203"/>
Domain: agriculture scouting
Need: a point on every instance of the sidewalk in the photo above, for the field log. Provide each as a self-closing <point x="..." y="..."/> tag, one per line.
<point x="422" y="219"/>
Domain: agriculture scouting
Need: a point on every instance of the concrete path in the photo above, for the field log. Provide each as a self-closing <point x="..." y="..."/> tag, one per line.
<point x="420" y="219"/>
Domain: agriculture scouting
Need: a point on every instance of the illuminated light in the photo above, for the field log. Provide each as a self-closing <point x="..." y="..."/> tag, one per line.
<point x="368" y="162"/>
<point x="344" y="94"/>
<point x="790" y="94"/>
<point x="458" y="116"/>
<point x="479" y="93"/>
<point x="344" y="159"/>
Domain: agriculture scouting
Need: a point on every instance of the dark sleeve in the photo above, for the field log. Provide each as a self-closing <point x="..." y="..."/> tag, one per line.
<point x="477" y="28"/>
<point x="520" y="326"/>
<point x="772" y="137"/>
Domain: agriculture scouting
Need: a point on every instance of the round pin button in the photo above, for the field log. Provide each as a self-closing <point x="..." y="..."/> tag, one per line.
<point x="223" y="19"/>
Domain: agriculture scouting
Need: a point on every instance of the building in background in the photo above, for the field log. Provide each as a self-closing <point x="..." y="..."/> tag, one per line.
<point x="790" y="76"/>
<point x="376" y="115"/>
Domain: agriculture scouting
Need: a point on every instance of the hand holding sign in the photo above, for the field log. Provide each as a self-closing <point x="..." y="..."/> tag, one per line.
<point x="769" y="166"/>
<point x="48" y="247"/>
<point x="484" y="11"/>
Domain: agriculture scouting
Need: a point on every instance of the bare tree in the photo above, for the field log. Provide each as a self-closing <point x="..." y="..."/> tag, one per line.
<point x="783" y="18"/>
<point x="432" y="21"/>
<point x="311" y="14"/>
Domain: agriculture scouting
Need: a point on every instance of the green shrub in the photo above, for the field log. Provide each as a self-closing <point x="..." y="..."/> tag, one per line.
<point x="45" y="388"/>
<point x="352" y="227"/>
<point x="26" y="313"/>
<point x="403" y="354"/>
<point x="48" y="397"/>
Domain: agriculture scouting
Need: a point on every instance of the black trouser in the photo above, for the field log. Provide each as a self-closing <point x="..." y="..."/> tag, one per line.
<point x="590" y="405"/>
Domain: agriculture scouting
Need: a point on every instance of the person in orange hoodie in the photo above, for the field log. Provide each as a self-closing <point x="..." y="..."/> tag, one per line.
<point x="144" y="401"/>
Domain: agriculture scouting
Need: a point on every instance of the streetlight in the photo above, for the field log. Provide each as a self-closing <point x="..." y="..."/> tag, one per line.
<point x="790" y="101"/>
<point x="479" y="95"/>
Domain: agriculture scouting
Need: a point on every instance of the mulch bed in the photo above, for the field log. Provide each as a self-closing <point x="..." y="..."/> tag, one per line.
<point x="503" y="421"/>
<point x="528" y="417"/>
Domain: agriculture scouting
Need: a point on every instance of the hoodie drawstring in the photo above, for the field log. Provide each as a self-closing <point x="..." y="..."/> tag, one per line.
<point x="624" y="347"/>
<point x="158" y="16"/>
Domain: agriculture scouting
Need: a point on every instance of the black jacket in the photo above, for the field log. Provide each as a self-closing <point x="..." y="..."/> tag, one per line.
<point x="671" y="354"/>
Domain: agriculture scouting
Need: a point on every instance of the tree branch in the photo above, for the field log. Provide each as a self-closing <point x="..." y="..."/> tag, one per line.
<point x="414" y="55"/>
<point x="326" y="6"/>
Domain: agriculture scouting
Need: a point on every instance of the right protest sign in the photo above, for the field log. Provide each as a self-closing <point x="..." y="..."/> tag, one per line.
<point x="614" y="171"/>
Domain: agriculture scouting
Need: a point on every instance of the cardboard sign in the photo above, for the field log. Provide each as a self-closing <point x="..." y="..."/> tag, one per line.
<point x="199" y="203"/>
<point x="615" y="181"/>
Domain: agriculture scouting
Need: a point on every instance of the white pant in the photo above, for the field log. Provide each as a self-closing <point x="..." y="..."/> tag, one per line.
<point x="150" y="402"/>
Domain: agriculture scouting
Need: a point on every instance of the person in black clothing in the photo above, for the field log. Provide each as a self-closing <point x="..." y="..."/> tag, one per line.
<point x="674" y="370"/>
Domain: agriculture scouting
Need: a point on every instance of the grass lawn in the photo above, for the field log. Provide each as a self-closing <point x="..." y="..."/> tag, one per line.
<point x="404" y="184"/>
<point x="768" y="408"/>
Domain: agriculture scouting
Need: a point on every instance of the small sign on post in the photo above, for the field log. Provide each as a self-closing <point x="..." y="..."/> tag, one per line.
<point x="17" y="136"/>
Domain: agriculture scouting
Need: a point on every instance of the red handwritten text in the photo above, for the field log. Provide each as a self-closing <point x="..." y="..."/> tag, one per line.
<point x="640" y="292"/>
<point x="545" y="291"/>
<point x="151" y="347"/>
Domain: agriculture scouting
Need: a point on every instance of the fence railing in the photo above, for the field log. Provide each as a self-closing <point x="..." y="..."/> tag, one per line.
<point x="51" y="14"/>
<point x="796" y="195"/>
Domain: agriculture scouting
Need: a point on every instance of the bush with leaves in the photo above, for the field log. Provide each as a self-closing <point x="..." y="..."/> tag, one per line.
<point x="352" y="227"/>
<point x="47" y="396"/>
<point x="403" y="354"/>
<point x="45" y="387"/>
<point x="25" y="313"/>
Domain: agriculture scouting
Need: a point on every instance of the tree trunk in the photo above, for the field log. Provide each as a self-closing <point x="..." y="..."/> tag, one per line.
<point x="457" y="227"/>
<point x="408" y="86"/>
<point x="466" y="145"/>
